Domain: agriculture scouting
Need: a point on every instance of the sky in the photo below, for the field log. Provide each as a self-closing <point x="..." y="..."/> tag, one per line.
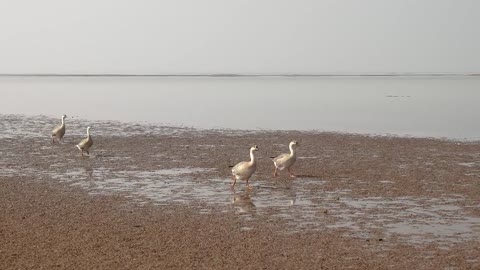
<point x="242" y="36"/>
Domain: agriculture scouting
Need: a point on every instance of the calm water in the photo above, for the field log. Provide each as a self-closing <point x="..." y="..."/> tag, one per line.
<point x="420" y="106"/>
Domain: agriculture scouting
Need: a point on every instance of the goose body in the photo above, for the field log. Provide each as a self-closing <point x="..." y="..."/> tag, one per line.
<point x="244" y="170"/>
<point x="286" y="161"/>
<point x="59" y="131"/>
<point x="86" y="143"/>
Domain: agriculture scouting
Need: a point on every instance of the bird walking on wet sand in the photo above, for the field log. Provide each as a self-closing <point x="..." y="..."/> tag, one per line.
<point x="59" y="131"/>
<point x="286" y="161"/>
<point x="86" y="143"/>
<point x="244" y="170"/>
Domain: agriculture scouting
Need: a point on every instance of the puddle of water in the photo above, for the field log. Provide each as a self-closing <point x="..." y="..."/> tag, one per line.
<point x="419" y="220"/>
<point x="15" y="171"/>
<point x="160" y="186"/>
<point x="8" y="172"/>
<point x="379" y="202"/>
<point x="163" y="172"/>
<point x="467" y="164"/>
<point x="460" y="230"/>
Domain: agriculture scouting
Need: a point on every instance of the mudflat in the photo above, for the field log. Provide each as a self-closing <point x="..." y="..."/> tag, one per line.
<point x="159" y="197"/>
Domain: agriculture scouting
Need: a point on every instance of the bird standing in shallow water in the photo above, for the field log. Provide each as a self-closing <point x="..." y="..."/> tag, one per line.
<point x="58" y="132"/>
<point x="286" y="161"/>
<point x="244" y="170"/>
<point x="86" y="143"/>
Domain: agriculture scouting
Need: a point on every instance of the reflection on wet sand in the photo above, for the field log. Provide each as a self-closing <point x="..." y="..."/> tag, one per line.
<point x="87" y="167"/>
<point x="243" y="203"/>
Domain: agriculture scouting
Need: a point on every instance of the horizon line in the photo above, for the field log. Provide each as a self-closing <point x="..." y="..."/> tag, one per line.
<point x="392" y="74"/>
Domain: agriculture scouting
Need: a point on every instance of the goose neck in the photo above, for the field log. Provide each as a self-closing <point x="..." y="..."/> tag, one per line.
<point x="292" y="150"/>
<point x="252" y="157"/>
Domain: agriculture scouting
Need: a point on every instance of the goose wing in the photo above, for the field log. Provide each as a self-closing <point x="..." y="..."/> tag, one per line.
<point x="280" y="158"/>
<point x="82" y="143"/>
<point x="85" y="143"/>
<point x="56" y="130"/>
<point x="238" y="167"/>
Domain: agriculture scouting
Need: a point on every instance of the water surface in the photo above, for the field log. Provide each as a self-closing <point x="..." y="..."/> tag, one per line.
<point x="417" y="106"/>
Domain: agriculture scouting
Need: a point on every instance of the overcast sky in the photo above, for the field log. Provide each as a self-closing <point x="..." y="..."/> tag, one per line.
<point x="227" y="36"/>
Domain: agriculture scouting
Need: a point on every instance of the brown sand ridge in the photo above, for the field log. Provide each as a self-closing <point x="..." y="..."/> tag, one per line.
<point x="153" y="197"/>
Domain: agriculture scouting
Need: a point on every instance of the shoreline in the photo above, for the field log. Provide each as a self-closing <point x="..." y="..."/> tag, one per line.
<point x="233" y="75"/>
<point x="50" y="118"/>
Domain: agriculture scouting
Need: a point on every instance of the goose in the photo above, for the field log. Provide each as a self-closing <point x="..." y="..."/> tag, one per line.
<point x="286" y="161"/>
<point x="86" y="143"/>
<point x="59" y="131"/>
<point x="244" y="170"/>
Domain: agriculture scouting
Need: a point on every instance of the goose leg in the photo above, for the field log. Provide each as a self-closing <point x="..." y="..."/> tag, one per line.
<point x="248" y="186"/>
<point x="234" y="181"/>
<point x="88" y="153"/>
<point x="291" y="173"/>
<point x="53" y="140"/>
<point x="275" y="172"/>
<point x="82" y="152"/>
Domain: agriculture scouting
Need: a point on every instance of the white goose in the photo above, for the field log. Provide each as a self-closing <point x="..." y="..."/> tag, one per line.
<point x="286" y="161"/>
<point x="86" y="143"/>
<point x="244" y="170"/>
<point x="59" y="131"/>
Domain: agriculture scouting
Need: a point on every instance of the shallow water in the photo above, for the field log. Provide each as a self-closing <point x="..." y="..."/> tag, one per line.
<point x="296" y="203"/>
<point x="418" y="106"/>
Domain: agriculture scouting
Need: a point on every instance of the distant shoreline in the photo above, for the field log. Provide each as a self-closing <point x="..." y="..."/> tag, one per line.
<point x="227" y="75"/>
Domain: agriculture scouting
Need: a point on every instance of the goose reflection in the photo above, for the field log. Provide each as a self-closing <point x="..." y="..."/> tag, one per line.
<point x="87" y="167"/>
<point x="243" y="202"/>
<point x="292" y="201"/>
<point x="89" y="171"/>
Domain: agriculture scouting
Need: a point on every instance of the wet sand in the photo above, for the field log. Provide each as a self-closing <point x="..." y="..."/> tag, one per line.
<point x="159" y="197"/>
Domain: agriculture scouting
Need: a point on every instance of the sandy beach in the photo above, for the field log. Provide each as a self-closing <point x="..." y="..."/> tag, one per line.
<point x="154" y="197"/>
